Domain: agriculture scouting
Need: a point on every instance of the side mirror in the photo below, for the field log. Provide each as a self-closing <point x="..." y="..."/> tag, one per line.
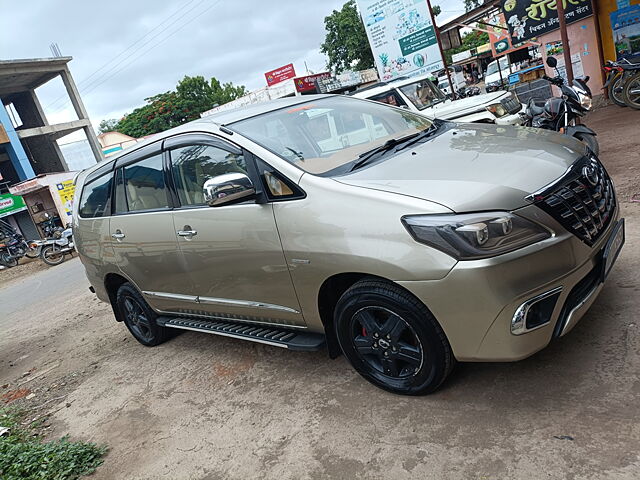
<point x="227" y="188"/>
<point x="552" y="62"/>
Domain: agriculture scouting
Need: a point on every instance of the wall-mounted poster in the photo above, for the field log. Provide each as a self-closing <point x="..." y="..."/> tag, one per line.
<point x="402" y="37"/>
<point x="625" y="24"/>
<point x="532" y="18"/>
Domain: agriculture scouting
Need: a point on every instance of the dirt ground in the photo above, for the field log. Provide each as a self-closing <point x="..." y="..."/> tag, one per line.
<point x="208" y="407"/>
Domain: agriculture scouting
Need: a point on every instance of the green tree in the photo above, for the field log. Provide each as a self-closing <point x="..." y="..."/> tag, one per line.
<point x="436" y="10"/>
<point x="346" y="44"/>
<point x="193" y="95"/>
<point x="471" y="40"/>
<point x="471" y="4"/>
<point x="108" y="125"/>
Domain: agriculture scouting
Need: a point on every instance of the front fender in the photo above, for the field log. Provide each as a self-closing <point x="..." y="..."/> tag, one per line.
<point x="571" y="130"/>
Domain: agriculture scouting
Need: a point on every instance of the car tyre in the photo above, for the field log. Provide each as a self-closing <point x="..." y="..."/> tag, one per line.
<point x="392" y="339"/>
<point x="139" y="317"/>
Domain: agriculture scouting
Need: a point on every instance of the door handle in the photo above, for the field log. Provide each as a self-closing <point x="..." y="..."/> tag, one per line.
<point x="187" y="233"/>
<point x="118" y="235"/>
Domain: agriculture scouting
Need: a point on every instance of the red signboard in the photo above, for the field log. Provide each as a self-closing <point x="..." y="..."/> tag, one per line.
<point x="280" y="74"/>
<point x="308" y="83"/>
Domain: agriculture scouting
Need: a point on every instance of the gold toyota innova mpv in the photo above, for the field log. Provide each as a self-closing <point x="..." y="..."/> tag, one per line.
<point x="405" y="243"/>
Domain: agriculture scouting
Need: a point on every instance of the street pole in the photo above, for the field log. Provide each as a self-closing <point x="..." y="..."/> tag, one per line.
<point x="444" y="60"/>
<point x="565" y="40"/>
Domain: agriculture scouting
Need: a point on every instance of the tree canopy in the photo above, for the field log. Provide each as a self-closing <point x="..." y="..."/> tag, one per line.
<point x="192" y="96"/>
<point x="108" y="125"/>
<point x="346" y="44"/>
<point x="471" y="40"/>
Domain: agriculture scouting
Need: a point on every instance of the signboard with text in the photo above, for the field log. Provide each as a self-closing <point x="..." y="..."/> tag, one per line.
<point x="500" y="37"/>
<point x="308" y="82"/>
<point x="625" y="27"/>
<point x="10" y="204"/>
<point x="280" y="74"/>
<point x="66" y="190"/>
<point x="531" y="18"/>
<point x="402" y="37"/>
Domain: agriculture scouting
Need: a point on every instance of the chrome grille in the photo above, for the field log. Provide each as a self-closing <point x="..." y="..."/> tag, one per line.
<point x="511" y="104"/>
<point x="582" y="201"/>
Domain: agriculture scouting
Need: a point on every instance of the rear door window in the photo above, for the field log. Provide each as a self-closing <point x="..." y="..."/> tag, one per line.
<point x="390" y="97"/>
<point x="95" y="200"/>
<point x="144" y="185"/>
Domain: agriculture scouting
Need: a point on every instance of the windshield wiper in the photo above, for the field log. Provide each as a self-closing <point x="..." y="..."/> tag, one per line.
<point x="420" y="136"/>
<point x="364" y="158"/>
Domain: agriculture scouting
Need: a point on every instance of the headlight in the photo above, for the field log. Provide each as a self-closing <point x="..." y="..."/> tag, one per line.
<point x="474" y="235"/>
<point x="497" y="109"/>
<point x="585" y="101"/>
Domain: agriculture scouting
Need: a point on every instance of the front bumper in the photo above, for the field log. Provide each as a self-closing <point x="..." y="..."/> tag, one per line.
<point x="476" y="302"/>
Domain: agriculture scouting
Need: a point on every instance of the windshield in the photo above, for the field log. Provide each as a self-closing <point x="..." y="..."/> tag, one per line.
<point x="493" y="66"/>
<point x="423" y="94"/>
<point x="322" y="135"/>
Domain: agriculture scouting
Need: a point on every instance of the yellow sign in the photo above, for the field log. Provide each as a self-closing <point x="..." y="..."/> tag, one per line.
<point x="66" y="190"/>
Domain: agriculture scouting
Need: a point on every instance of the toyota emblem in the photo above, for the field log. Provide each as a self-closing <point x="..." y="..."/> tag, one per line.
<point x="590" y="172"/>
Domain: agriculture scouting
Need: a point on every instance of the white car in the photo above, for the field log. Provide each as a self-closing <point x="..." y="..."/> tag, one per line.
<point x="492" y="75"/>
<point x="421" y="95"/>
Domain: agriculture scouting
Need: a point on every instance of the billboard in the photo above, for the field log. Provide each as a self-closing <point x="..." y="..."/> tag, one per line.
<point x="625" y="26"/>
<point x="280" y="74"/>
<point x="308" y="82"/>
<point x="10" y="204"/>
<point x="402" y="37"/>
<point x="500" y="37"/>
<point x="532" y="18"/>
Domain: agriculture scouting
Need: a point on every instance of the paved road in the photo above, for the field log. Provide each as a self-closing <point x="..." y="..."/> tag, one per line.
<point x="47" y="286"/>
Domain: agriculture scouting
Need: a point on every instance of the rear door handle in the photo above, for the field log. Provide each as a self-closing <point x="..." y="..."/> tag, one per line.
<point x="118" y="235"/>
<point x="187" y="233"/>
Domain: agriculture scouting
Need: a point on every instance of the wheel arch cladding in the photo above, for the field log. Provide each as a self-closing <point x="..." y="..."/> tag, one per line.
<point x="330" y="292"/>
<point x="112" y="283"/>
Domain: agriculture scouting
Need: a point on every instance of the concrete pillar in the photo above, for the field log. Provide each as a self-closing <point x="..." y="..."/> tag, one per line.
<point x="14" y="148"/>
<point x="78" y="106"/>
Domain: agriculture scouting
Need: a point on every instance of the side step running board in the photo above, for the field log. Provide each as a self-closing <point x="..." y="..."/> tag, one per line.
<point x="278" y="337"/>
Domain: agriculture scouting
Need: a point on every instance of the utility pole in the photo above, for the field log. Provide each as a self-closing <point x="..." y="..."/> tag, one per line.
<point x="565" y="40"/>
<point x="444" y="60"/>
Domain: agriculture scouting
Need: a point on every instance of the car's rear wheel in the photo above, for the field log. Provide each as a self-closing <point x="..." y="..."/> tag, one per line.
<point x="392" y="339"/>
<point x="139" y="317"/>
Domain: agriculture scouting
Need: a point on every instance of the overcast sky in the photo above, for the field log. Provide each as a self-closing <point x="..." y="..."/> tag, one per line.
<point x="144" y="47"/>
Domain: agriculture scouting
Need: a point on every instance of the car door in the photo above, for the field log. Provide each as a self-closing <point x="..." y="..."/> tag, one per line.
<point x="231" y="252"/>
<point x="142" y="233"/>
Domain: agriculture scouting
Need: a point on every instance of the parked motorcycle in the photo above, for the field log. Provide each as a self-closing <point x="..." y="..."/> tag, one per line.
<point x="619" y="74"/>
<point x="12" y="245"/>
<point x="54" y="249"/>
<point x="561" y="114"/>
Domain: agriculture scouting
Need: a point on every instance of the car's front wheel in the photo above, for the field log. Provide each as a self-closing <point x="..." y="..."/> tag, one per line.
<point x="392" y="339"/>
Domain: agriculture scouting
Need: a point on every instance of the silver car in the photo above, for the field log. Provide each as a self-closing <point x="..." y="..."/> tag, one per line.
<point x="405" y="243"/>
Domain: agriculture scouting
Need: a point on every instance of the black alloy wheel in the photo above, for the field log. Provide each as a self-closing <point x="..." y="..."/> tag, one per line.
<point x="138" y="316"/>
<point x="386" y="342"/>
<point x="392" y="339"/>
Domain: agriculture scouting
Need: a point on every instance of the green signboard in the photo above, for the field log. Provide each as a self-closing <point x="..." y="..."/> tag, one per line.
<point x="418" y="40"/>
<point x="10" y="204"/>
